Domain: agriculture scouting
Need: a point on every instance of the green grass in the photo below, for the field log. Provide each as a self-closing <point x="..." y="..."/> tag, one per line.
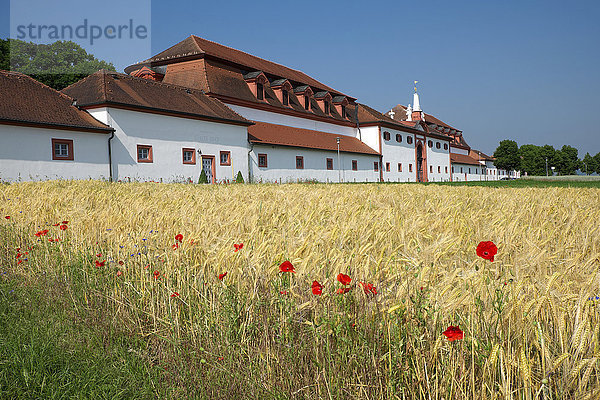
<point x="48" y="352"/>
<point x="525" y="183"/>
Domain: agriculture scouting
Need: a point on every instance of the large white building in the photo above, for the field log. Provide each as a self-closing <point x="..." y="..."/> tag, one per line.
<point x="200" y="106"/>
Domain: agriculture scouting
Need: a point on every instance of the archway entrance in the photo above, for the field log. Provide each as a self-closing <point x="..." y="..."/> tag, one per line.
<point x="419" y="163"/>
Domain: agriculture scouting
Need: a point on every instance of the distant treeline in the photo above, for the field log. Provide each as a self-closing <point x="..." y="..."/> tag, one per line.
<point x="539" y="160"/>
<point x="57" y="65"/>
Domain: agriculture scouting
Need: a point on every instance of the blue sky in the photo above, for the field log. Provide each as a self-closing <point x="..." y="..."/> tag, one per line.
<point x="520" y="70"/>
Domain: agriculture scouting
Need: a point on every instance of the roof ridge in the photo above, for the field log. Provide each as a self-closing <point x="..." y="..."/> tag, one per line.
<point x="324" y="87"/>
<point x="248" y="54"/>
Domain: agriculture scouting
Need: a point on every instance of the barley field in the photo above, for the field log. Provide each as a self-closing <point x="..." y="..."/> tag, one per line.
<point x="111" y="262"/>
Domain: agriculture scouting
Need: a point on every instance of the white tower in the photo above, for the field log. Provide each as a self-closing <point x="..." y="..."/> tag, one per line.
<point x="417" y="113"/>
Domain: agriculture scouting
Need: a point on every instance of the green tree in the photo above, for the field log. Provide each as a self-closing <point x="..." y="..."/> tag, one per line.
<point x="239" y="178"/>
<point x="568" y="162"/>
<point x="203" y="178"/>
<point x="532" y="161"/>
<point x="589" y="164"/>
<point x="57" y="65"/>
<point x="4" y="55"/>
<point x="507" y="155"/>
<point x="597" y="163"/>
<point x="548" y="153"/>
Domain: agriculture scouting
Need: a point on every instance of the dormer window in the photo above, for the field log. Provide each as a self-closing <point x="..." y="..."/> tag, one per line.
<point x="340" y="103"/>
<point x="260" y="91"/>
<point x="304" y="93"/>
<point x="282" y="88"/>
<point x="286" y="97"/>
<point x="256" y="81"/>
<point x="324" y="99"/>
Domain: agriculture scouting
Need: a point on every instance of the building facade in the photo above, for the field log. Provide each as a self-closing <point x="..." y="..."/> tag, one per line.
<point x="201" y="106"/>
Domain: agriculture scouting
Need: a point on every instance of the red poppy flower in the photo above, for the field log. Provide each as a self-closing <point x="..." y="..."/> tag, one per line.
<point x="56" y="224"/>
<point x="119" y="273"/>
<point x="487" y="250"/>
<point x="287" y="266"/>
<point x="179" y="237"/>
<point x="284" y="292"/>
<point x="100" y="263"/>
<point x="42" y="233"/>
<point x="65" y="222"/>
<point x="121" y="263"/>
<point x="453" y="333"/>
<point x="156" y="274"/>
<point x="7" y="217"/>
<point x="238" y="246"/>
<point x="19" y="255"/>
<point x="344" y="279"/>
<point x="317" y="288"/>
<point x="98" y="255"/>
<point x="175" y="294"/>
<point x="220" y="358"/>
<point x="369" y="288"/>
<point x="19" y="262"/>
<point x="63" y="227"/>
<point x="223" y="275"/>
<point x="147" y="266"/>
<point x="175" y="246"/>
<point x="343" y="290"/>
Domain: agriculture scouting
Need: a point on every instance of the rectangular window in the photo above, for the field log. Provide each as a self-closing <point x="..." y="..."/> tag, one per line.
<point x="262" y="160"/>
<point x="469" y="170"/>
<point x="260" y="91"/>
<point x="399" y="167"/>
<point x="144" y="153"/>
<point x="461" y="170"/>
<point x="344" y="112"/>
<point x="225" y="158"/>
<point x="286" y="98"/>
<point x="299" y="162"/>
<point x="62" y="149"/>
<point x="354" y="165"/>
<point x="189" y="156"/>
<point x="431" y="169"/>
<point x="375" y="166"/>
<point x="330" y="163"/>
<point x="387" y="167"/>
<point x="306" y="102"/>
<point x="326" y="107"/>
<point x="409" y="167"/>
<point x="439" y="169"/>
<point x="446" y="168"/>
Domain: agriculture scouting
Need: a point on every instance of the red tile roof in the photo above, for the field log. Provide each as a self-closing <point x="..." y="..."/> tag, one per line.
<point x="481" y="155"/>
<point x="400" y="111"/>
<point x="264" y="133"/>
<point x="195" y="47"/>
<point x="463" y="159"/>
<point x="27" y="101"/>
<point x="111" y="88"/>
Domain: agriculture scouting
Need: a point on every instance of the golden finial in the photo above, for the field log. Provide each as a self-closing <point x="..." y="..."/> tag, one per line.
<point x="416" y="86"/>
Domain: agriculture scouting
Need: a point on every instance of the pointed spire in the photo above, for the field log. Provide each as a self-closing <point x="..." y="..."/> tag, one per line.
<point x="416" y="103"/>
